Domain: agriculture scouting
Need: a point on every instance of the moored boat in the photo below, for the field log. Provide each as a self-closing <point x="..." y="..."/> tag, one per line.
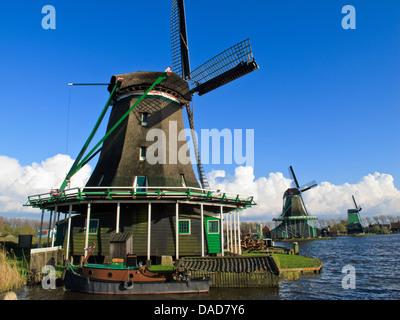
<point x="117" y="278"/>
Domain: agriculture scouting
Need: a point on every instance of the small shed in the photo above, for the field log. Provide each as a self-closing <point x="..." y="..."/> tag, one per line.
<point x="120" y="245"/>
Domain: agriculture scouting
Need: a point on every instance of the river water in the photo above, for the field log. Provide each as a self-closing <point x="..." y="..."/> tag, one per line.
<point x="374" y="274"/>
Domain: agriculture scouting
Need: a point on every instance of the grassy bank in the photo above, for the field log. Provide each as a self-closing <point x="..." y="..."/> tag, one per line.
<point x="288" y="261"/>
<point x="13" y="272"/>
<point x="292" y="266"/>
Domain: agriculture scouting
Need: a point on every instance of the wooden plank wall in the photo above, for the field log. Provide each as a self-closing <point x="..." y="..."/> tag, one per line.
<point x="133" y="219"/>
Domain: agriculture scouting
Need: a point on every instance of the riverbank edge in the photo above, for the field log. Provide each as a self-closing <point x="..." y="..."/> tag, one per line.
<point x="294" y="274"/>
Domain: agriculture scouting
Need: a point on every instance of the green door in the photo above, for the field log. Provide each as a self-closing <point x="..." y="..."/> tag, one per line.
<point x="141" y="181"/>
<point x="213" y="234"/>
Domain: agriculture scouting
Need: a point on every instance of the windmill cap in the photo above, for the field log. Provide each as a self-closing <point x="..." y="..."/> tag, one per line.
<point x="291" y="192"/>
<point x="173" y="85"/>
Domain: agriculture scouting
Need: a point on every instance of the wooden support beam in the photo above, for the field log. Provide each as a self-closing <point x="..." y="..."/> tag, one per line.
<point x="68" y="233"/>
<point x="89" y="208"/>
<point x="118" y="217"/>
<point x="41" y="228"/>
<point x="221" y="218"/>
<point x="53" y="226"/>
<point x="202" y="229"/>
<point x="239" y="235"/>
<point x="177" y="230"/>
<point x="48" y="232"/>
<point x="230" y="231"/>
<point x="148" y="230"/>
<point x="235" y="250"/>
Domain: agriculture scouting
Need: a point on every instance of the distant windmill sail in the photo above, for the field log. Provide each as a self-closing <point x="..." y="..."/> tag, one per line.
<point x="355" y="203"/>
<point x="308" y="186"/>
<point x="293" y="176"/>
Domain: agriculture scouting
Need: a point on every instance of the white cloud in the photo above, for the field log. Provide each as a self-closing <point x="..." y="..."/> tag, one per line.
<point x="267" y="191"/>
<point x="376" y="193"/>
<point x="18" y="182"/>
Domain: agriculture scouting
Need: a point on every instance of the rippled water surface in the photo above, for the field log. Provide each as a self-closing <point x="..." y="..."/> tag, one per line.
<point x="375" y="260"/>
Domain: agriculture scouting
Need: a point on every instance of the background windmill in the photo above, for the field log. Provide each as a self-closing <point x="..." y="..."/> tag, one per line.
<point x="295" y="222"/>
<point x="354" y="222"/>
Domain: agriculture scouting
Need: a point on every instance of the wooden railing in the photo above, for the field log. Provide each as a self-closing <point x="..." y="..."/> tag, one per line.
<point x="56" y="196"/>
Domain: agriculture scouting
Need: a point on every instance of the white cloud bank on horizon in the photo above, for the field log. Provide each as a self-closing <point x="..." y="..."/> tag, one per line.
<point x="18" y="182"/>
<point x="375" y="193"/>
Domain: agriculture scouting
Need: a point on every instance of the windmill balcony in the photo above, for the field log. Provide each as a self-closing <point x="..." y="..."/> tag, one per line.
<point x="137" y="194"/>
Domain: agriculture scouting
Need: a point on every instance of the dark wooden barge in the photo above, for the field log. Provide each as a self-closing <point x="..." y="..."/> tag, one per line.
<point x="117" y="278"/>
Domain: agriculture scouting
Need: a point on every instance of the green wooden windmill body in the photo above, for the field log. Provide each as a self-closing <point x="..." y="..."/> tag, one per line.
<point x="354" y="222"/>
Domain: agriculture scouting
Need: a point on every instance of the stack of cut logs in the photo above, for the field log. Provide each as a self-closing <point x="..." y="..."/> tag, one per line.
<point x="251" y="244"/>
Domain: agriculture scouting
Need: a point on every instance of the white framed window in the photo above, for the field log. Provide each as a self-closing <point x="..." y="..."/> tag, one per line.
<point x="93" y="226"/>
<point x="144" y="119"/>
<point x="213" y="226"/>
<point x="142" y="154"/>
<point x="140" y="184"/>
<point x="184" y="226"/>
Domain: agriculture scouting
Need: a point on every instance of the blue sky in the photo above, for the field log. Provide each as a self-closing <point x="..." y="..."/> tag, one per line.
<point x="325" y="100"/>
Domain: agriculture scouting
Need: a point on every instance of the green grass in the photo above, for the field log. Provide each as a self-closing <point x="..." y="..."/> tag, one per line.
<point x="12" y="271"/>
<point x="285" y="261"/>
<point x="160" y="268"/>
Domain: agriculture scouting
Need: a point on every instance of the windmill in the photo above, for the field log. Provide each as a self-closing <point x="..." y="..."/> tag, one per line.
<point x="156" y="206"/>
<point x="354" y="222"/>
<point x="295" y="222"/>
<point x="178" y="87"/>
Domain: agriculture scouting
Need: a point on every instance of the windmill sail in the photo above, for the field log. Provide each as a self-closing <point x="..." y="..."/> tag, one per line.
<point x="228" y="66"/>
<point x="179" y="41"/>
<point x="293" y="176"/>
<point x="181" y="66"/>
<point x="355" y="203"/>
<point x="200" y="169"/>
<point x="308" y="186"/>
